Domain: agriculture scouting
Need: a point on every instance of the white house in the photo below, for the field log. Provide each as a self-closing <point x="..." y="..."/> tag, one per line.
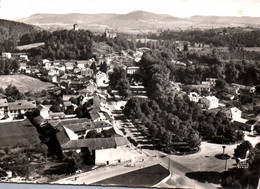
<point x="209" y="102"/>
<point x="193" y="96"/>
<point x="101" y="78"/>
<point x="21" y="107"/>
<point x="23" y="57"/>
<point x="6" y="55"/>
<point x="132" y="70"/>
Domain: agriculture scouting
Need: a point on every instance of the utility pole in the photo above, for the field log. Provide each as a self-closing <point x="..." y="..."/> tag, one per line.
<point x="169" y="164"/>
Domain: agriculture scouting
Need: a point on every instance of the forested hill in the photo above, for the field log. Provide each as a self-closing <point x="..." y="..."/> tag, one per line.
<point x="10" y="33"/>
<point x="14" y="29"/>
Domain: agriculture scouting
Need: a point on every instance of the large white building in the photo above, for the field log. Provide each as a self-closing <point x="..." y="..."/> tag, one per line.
<point x="209" y="102"/>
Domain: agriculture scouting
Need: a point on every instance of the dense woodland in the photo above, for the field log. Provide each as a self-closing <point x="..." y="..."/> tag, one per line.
<point x="10" y="32"/>
<point x="65" y="44"/>
<point x="170" y="114"/>
<point x="218" y="37"/>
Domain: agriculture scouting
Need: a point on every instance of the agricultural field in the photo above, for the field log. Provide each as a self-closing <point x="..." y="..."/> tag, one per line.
<point x="24" y="83"/>
<point x="29" y="46"/>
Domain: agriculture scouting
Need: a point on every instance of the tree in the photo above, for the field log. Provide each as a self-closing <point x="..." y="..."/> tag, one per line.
<point x="123" y="87"/>
<point x="73" y="100"/>
<point x="132" y="108"/>
<point x="93" y="67"/>
<point x="13" y="93"/>
<point x="55" y="108"/>
<point x="103" y="67"/>
<point x="92" y="134"/>
<point x="220" y="84"/>
<point x="241" y="150"/>
<point x="194" y="139"/>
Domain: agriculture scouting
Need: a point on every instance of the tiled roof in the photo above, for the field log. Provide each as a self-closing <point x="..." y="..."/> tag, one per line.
<point x="76" y="124"/>
<point x="3" y="103"/>
<point x="22" y="104"/>
<point x="96" y="143"/>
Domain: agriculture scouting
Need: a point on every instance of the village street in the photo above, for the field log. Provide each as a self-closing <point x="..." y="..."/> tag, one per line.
<point x="145" y="155"/>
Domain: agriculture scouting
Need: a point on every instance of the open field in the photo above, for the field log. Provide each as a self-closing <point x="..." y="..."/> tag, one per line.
<point x="29" y="46"/>
<point x="24" y="83"/>
<point x="148" y="176"/>
<point x="256" y="49"/>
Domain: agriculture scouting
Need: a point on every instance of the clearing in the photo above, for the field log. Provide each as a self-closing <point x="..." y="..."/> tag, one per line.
<point x="24" y="83"/>
<point x="256" y="49"/>
<point x="30" y="46"/>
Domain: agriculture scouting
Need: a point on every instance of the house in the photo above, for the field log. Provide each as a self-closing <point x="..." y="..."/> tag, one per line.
<point x="22" y="66"/>
<point x="249" y="89"/>
<point x="77" y="71"/>
<point x="18" y="133"/>
<point x="3" y="107"/>
<point x="77" y="85"/>
<point x="105" y="151"/>
<point x="44" y="110"/>
<point x="61" y="68"/>
<point x="212" y="81"/>
<point x="97" y="115"/>
<point x="132" y="70"/>
<point x="252" y="124"/>
<point x="53" y="72"/>
<point x="56" y="115"/>
<point x="209" y="102"/>
<point x="101" y="78"/>
<point x="53" y="78"/>
<point x="81" y="64"/>
<point x="234" y="114"/>
<point x="109" y="34"/>
<point x="201" y="87"/>
<point x="21" y="107"/>
<point x="87" y="72"/>
<point x="91" y="86"/>
<point x="23" y="57"/>
<point x="6" y="55"/>
<point x="193" y="96"/>
<point x="66" y="98"/>
<point x="70" y="66"/>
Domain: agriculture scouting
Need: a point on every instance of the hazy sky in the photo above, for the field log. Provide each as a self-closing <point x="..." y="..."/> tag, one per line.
<point x="13" y="9"/>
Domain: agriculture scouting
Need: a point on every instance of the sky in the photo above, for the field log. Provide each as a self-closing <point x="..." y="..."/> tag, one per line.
<point x="14" y="9"/>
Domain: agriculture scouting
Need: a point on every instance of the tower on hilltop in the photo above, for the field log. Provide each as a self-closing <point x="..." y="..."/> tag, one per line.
<point x="75" y="27"/>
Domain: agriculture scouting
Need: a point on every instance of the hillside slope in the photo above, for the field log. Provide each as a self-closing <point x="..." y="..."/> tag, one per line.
<point x="12" y="29"/>
<point x="136" y="21"/>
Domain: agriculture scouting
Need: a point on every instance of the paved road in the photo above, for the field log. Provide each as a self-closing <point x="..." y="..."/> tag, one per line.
<point x="158" y="156"/>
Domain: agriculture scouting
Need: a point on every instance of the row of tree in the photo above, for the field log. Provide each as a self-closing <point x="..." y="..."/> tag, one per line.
<point x="173" y="112"/>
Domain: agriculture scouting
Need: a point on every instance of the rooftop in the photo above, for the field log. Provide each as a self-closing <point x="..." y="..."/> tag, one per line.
<point x="22" y="105"/>
<point x="96" y="143"/>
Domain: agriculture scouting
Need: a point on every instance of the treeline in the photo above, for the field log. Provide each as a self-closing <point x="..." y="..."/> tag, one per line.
<point x="34" y="37"/>
<point x="216" y="37"/>
<point x="63" y="44"/>
<point x="8" y="66"/>
<point x="242" y="72"/>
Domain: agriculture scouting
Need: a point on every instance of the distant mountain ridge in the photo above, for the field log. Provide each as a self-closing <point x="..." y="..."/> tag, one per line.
<point x="136" y="21"/>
